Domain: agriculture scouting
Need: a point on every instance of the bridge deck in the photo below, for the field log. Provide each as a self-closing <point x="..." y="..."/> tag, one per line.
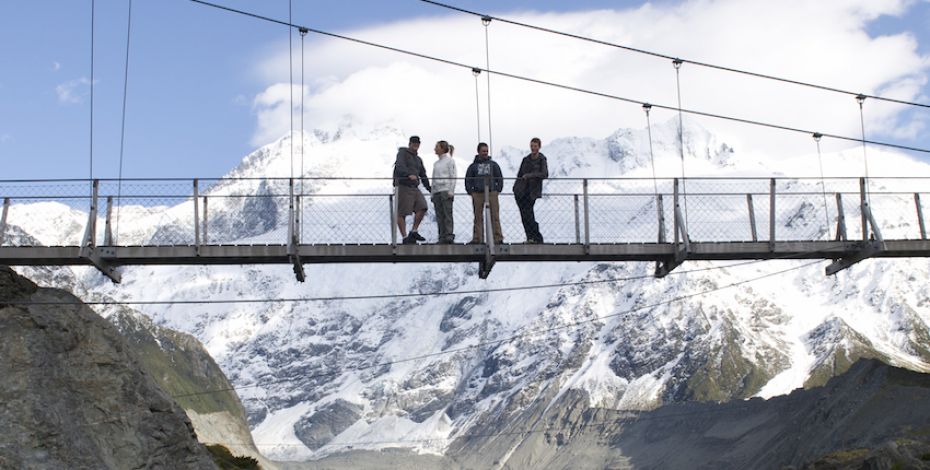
<point x="458" y="253"/>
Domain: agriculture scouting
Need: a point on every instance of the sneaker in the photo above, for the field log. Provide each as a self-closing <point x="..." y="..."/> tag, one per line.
<point x="475" y="242"/>
<point x="409" y="240"/>
<point x="416" y="236"/>
<point x="531" y="241"/>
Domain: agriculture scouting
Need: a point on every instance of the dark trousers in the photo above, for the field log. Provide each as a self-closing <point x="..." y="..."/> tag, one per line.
<point x="528" y="216"/>
<point x="442" y="202"/>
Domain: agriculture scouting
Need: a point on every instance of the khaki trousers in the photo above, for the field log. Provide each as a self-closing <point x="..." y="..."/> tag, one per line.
<point x="477" y="202"/>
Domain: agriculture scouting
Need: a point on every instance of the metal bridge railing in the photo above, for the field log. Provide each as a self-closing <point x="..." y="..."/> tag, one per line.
<point x="149" y="212"/>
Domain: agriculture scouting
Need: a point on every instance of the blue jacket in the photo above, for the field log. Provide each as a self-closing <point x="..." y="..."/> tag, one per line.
<point x="478" y="173"/>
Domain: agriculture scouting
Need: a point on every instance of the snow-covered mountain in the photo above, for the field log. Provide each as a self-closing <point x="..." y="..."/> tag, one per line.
<point x="420" y="371"/>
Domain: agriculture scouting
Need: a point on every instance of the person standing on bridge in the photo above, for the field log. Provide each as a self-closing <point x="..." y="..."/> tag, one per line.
<point x="443" y="193"/>
<point x="408" y="174"/>
<point x="482" y="174"/>
<point x="528" y="188"/>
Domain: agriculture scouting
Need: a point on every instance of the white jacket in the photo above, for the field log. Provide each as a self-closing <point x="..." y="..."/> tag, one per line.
<point x="444" y="175"/>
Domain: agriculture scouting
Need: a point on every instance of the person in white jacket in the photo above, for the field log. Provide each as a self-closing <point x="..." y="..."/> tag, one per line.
<point x="443" y="192"/>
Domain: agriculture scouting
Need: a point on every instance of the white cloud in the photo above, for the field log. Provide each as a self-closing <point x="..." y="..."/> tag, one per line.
<point x="73" y="91"/>
<point x="820" y="42"/>
<point x="56" y="66"/>
<point x="5" y="138"/>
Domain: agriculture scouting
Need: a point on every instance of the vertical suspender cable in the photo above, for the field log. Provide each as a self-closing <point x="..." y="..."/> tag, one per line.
<point x="303" y="34"/>
<point x="647" y="107"/>
<point x="92" y="7"/>
<point x="865" y="158"/>
<point x="486" y="20"/>
<point x="681" y="137"/>
<point x="122" y="129"/>
<point x="823" y="186"/>
<point x="476" y="71"/>
<point x="290" y="61"/>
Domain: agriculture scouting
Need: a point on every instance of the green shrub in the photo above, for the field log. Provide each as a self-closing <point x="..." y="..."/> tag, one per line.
<point x="227" y="461"/>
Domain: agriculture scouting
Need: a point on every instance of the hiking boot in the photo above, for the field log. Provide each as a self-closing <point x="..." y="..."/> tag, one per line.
<point x="416" y="236"/>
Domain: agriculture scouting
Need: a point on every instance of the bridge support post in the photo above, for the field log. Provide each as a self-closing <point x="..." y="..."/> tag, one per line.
<point x="89" y="249"/>
<point x="660" y="207"/>
<point x="863" y="201"/>
<point x="577" y="222"/>
<point x="196" y="218"/>
<point x="206" y="239"/>
<point x="871" y="243"/>
<point x="293" y="242"/>
<point x="587" y="218"/>
<point x="840" y="219"/>
<point x="772" y="214"/>
<point x="682" y="243"/>
<point x="484" y="266"/>
<point x="108" y="231"/>
<point x="920" y="217"/>
<point x="6" y="210"/>
<point x="752" y="218"/>
<point x="393" y="211"/>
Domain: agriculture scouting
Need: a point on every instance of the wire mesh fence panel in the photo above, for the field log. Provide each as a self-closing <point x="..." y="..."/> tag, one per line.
<point x="357" y="219"/>
<point x="623" y="218"/>
<point x="800" y="217"/>
<point x="46" y="221"/>
<point x="896" y="215"/>
<point x="717" y="217"/>
<point x="46" y="212"/>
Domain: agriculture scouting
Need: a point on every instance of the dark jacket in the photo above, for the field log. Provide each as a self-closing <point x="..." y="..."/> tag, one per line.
<point x="478" y="173"/>
<point x="409" y="163"/>
<point x="530" y="176"/>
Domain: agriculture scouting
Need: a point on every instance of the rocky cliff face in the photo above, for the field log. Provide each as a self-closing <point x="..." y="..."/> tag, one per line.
<point x="73" y="396"/>
<point x="184" y="369"/>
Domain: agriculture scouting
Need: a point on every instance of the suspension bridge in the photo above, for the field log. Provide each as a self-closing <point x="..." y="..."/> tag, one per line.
<point x="351" y="220"/>
<point x="298" y="220"/>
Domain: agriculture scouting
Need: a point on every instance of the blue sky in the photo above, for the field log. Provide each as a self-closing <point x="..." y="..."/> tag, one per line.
<point x="195" y="74"/>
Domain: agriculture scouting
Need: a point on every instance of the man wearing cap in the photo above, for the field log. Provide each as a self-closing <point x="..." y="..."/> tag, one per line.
<point x="409" y="172"/>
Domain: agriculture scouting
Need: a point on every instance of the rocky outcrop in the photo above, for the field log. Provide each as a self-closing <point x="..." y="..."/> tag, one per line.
<point x="184" y="369"/>
<point x="72" y="394"/>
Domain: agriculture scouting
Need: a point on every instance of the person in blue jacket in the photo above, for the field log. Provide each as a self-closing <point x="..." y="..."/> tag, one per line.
<point x="484" y="172"/>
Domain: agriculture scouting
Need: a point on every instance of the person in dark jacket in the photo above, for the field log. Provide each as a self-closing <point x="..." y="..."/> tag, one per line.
<point x="484" y="172"/>
<point x="528" y="188"/>
<point x="409" y="172"/>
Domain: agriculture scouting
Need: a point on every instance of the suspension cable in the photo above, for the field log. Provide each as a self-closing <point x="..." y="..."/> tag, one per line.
<point x="476" y="72"/>
<point x="559" y="85"/>
<point x="664" y="56"/>
<point x="823" y="186"/>
<point x="122" y="129"/>
<point x="486" y="21"/>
